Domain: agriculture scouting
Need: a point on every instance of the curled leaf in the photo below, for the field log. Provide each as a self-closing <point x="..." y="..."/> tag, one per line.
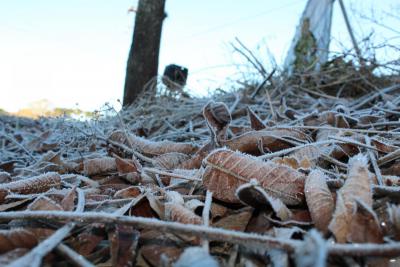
<point x="217" y="117"/>
<point x="256" y="197"/>
<point x="255" y="122"/>
<point x="195" y="205"/>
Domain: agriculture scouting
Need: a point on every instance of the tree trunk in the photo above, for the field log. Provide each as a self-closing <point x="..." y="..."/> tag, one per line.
<point x="143" y="56"/>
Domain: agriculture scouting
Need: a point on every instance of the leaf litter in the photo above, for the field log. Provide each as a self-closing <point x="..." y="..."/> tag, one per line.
<point x="298" y="178"/>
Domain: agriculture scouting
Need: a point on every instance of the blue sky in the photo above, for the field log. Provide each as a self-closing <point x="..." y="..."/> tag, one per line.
<point x="75" y="51"/>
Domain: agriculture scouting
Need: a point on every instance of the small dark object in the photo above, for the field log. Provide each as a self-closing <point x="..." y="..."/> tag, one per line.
<point x="175" y="77"/>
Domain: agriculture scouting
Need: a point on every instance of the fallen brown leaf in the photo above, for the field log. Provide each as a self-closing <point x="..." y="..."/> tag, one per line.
<point x="227" y="170"/>
<point x="152" y="148"/>
<point x="319" y="200"/>
<point x="356" y="187"/>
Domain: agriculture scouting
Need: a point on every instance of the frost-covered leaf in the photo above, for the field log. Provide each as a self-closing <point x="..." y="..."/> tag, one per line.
<point x="271" y="140"/>
<point x="152" y="148"/>
<point x="217" y="117"/>
<point x="227" y="170"/>
<point x="255" y="196"/>
<point x="319" y="200"/>
<point x="356" y="187"/>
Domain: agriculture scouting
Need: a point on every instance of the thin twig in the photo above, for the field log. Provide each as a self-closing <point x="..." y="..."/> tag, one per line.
<point x="210" y="233"/>
<point x="176" y="175"/>
<point x="73" y="256"/>
<point x="217" y="234"/>
<point x="336" y="128"/>
<point x="373" y="162"/>
<point x="206" y="216"/>
<point x="292" y="149"/>
<point x="389" y="157"/>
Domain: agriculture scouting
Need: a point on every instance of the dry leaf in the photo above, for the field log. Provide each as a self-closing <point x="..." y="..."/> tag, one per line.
<point x="129" y="170"/>
<point x="365" y="227"/>
<point x="357" y="186"/>
<point x="255" y="122"/>
<point x="127" y="165"/>
<point x="171" y="160"/>
<point x="236" y="221"/>
<point x="123" y="243"/>
<point x="99" y="166"/>
<point x="227" y="170"/>
<point x="178" y="213"/>
<point x="358" y="183"/>
<point x="259" y="223"/>
<point x="16" y="238"/>
<point x="88" y="240"/>
<point x="44" y="203"/>
<point x="217" y="211"/>
<point x="152" y="148"/>
<point x="195" y="161"/>
<point x="311" y="153"/>
<point x="393" y="211"/>
<point x="5" y="177"/>
<point x="147" y="206"/>
<point x="129" y="192"/>
<point x="319" y="200"/>
<point x="256" y="197"/>
<point x="217" y="117"/>
<point x="383" y="145"/>
<point x="4" y="207"/>
<point x="36" y="184"/>
<point x="8" y="257"/>
<point x="295" y="163"/>
<point x="68" y="202"/>
<point x="272" y="140"/>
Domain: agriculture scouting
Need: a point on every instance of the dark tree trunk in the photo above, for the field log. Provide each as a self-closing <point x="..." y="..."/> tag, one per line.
<point x="143" y="56"/>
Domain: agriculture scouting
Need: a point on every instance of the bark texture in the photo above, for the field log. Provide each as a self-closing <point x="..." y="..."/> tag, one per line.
<point x="143" y="56"/>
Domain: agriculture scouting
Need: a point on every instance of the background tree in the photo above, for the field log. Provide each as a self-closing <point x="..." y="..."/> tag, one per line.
<point x="143" y="55"/>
